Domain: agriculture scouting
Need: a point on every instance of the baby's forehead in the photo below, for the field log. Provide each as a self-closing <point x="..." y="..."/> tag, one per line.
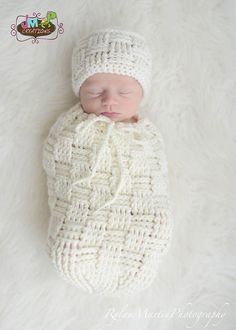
<point x="110" y="78"/>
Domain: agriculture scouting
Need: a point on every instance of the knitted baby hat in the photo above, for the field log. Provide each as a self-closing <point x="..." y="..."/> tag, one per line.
<point x="114" y="51"/>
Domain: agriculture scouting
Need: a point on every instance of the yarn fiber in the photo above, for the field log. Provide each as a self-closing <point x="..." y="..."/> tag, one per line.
<point x="112" y="51"/>
<point x="110" y="213"/>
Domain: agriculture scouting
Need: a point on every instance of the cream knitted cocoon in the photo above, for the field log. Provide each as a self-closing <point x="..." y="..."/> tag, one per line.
<point x="110" y="214"/>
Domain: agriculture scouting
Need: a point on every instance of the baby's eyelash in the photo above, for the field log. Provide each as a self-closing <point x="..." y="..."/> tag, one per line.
<point x="120" y="92"/>
<point x="94" y="93"/>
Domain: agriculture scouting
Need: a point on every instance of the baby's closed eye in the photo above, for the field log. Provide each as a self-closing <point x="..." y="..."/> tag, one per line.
<point x="100" y="92"/>
<point x="95" y="92"/>
<point x="125" y="91"/>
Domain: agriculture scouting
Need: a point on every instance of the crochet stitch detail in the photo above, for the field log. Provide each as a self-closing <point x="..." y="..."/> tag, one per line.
<point x="110" y="215"/>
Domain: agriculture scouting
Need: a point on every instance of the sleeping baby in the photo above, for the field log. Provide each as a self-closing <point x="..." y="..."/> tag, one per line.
<point x="107" y="173"/>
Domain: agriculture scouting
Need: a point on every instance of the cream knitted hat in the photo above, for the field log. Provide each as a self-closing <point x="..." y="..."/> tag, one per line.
<point x="114" y="51"/>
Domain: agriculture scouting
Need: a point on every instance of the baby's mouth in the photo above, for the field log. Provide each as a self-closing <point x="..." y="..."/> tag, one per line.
<point x="110" y="114"/>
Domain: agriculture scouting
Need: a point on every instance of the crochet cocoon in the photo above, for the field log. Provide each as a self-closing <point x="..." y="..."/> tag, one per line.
<point x="110" y="215"/>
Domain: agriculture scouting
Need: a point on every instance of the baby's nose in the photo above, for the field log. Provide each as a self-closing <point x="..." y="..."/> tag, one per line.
<point x="109" y="99"/>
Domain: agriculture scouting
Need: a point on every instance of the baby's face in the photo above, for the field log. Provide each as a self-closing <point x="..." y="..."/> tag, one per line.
<point x="119" y="95"/>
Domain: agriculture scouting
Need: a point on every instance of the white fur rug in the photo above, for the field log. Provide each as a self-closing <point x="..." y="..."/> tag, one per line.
<point x="193" y="103"/>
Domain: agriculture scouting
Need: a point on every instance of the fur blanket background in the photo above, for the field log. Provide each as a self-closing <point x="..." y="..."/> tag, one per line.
<point x="193" y="104"/>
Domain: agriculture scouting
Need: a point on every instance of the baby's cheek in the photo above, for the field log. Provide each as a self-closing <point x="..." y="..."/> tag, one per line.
<point x="89" y="106"/>
<point x="91" y="102"/>
<point x="128" y="102"/>
<point x="131" y="104"/>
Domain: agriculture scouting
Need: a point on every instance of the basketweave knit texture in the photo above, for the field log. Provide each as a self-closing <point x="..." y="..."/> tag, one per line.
<point x="110" y="213"/>
<point x="112" y="51"/>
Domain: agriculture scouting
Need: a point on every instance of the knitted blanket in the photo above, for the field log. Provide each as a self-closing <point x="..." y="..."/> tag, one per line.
<point x="110" y="215"/>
